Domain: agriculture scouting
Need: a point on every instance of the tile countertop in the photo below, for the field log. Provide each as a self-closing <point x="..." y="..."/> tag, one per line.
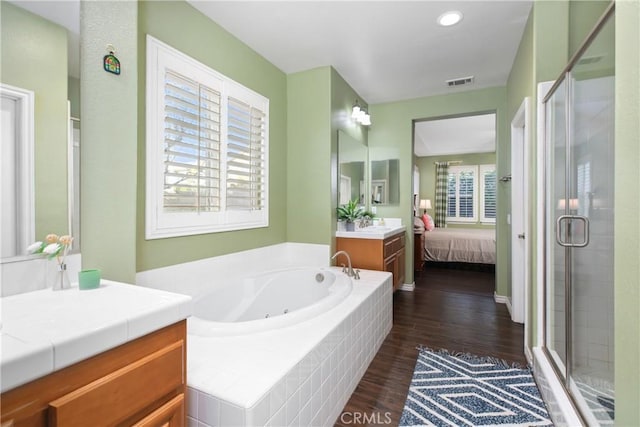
<point x="44" y="331"/>
<point x="375" y="232"/>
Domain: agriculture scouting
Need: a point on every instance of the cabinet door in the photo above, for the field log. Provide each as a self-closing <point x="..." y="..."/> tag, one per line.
<point x="389" y="265"/>
<point x="171" y="414"/>
<point x="123" y="393"/>
<point x="398" y="275"/>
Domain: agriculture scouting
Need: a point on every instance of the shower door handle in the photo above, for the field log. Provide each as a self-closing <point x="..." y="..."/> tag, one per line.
<point x="570" y="219"/>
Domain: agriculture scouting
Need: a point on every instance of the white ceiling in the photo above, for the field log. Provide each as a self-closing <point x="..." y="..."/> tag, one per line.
<point x="460" y="135"/>
<point x="386" y="50"/>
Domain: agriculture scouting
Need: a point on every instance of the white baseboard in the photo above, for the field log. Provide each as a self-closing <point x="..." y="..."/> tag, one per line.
<point x="502" y="299"/>
<point x="528" y="354"/>
<point x="409" y="287"/>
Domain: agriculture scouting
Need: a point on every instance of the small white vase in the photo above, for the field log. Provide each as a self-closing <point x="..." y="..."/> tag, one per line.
<point x="61" y="278"/>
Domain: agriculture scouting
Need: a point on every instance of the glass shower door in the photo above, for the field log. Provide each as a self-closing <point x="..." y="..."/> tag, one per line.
<point x="591" y="186"/>
<point x="579" y="243"/>
<point x="556" y="133"/>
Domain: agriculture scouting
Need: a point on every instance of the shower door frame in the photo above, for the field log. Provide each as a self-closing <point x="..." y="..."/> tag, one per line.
<point x="563" y="379"/>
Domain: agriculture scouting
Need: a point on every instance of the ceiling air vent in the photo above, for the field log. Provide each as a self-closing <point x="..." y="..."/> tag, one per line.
<point x="459" y="82"/>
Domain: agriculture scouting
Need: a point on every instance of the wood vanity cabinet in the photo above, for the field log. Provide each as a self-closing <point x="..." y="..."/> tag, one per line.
<point x="376" y="254"/>
<point x="141" y="383"/>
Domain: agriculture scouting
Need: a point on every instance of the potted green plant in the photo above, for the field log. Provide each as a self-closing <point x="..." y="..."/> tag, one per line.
<point x="349" y="213"/>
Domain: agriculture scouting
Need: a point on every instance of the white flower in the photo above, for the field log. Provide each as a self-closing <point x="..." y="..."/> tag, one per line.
<point x="51" y="248"/>
<point x="34" y="247"/>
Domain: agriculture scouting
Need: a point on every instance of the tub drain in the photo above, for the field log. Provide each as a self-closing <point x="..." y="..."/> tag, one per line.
<point x="286" y="310"/>
<point x="319" y="277"/>
<point x="266" y="316"/>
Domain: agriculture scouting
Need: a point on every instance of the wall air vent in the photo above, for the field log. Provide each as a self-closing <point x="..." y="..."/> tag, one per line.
<point x="459" y="82"/>
<point x="589" y="60"/>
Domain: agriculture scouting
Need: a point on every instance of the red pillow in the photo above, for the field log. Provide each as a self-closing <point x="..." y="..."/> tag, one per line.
<point x="428" y="222"/>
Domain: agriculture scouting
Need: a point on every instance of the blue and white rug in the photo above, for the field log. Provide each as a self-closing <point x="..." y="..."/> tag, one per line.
<point x="466" y="390"/>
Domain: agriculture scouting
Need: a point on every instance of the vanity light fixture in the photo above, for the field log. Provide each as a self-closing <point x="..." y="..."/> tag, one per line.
<point x="450" y="18"/>
<point x="360" y="115"/>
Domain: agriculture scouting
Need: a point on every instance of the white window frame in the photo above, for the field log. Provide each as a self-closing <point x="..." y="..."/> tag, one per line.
<point x="483" y="169"/>
<point x="457" y="170"/>
<point x="160" y="224"/>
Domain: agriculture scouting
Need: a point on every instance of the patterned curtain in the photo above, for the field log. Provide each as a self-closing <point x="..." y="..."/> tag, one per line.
<point x="442" y="176"/>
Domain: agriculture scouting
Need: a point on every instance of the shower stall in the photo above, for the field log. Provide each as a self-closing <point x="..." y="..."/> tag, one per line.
<point x="579" y="196"/>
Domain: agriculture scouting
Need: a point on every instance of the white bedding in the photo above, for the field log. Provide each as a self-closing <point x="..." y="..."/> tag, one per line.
<point x="474" y="245"/>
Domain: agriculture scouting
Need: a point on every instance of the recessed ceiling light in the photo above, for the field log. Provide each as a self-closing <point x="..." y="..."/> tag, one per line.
<point x="450" y="18"/>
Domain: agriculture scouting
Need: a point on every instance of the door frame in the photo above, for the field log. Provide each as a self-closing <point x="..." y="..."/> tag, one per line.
<point x="520" y="206"/>
<point x="25" y="169"/>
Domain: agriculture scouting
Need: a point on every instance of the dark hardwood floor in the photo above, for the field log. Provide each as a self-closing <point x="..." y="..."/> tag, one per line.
<point x="451" y="309"/>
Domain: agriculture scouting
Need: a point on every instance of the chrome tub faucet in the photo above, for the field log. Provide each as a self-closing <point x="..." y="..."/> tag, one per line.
<point x="350" y="272"/>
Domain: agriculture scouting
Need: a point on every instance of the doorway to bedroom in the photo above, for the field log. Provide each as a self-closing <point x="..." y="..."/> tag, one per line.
<point x="456" y="191"/>
<point x="456" y="187"/>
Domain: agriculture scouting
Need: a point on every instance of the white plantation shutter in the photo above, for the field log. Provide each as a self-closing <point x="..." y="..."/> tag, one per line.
<point x="245" y="156"/>
<point x="488" y="198"/>
<point x="462" y="194"/>
<point x="207" y="149"/>
<point x="466" y="194"/>
<point x="452" y="198"/>
<point x="191" y="146"/>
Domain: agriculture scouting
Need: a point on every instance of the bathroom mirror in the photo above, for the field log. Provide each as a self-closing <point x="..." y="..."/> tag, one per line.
<point x="385" y="182"/>
<point x="40" y="57"/>
<point x="352" y="161"/>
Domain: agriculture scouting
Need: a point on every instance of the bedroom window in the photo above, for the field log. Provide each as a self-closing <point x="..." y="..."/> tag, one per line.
<point x="471" y="193"/>
<point x="488" y="194"/>
<point x="207" y="145"/>
<point x="462" y="193"/>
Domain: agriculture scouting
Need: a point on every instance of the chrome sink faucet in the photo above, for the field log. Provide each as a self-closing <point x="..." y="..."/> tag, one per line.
<point x="350" y="272"/>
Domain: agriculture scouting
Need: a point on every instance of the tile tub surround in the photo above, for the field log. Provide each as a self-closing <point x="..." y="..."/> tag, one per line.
<point x="299" y="375"/>
<point x="196" y="277"/>
<point x="44" y="331"/>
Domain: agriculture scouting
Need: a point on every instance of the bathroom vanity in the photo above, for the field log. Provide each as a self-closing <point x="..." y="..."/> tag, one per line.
<point x="375" y="248"/>
<point x="115" y="355"/>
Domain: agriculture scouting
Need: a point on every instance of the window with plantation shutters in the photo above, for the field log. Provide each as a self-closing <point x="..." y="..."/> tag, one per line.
<point x="191" y="146"/>
<point x="207" y="148"/>
<point x="462" y="194"/>
<point x="472" y="189"/>
<point x="245" y="156"/>
<point x="488" y="193"/>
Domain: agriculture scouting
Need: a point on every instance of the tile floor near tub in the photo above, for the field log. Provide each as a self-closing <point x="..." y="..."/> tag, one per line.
<point x="315" y="390"/>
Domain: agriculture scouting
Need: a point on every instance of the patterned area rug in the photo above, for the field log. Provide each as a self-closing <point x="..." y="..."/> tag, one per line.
<point x="467" y="390"/>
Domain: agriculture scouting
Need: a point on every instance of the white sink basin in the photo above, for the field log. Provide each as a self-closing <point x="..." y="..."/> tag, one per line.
<point x="374" y="232"/>
<point x="373" y="228"/>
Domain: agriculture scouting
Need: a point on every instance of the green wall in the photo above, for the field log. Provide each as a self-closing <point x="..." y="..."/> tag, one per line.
<point x="627" y="221"/>
<point x="427" y="168"/>
<point x="319" y="105"/>
<point x="74" y="96"/>
<point x="34" y="57"/>
<point x="309" y="157"/>
<point x="226" y="54"/>
<point x="582" y="16"/>
<point x="109" y="104"/>
<point x="392" y="132"/>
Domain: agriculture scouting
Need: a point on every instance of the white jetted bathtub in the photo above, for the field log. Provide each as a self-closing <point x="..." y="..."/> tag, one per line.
<point x="251" y="364"/>
<point x="268" y="301"/>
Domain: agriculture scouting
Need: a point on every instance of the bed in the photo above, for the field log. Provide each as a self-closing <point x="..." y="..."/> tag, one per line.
<point x="471" y="245"/>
